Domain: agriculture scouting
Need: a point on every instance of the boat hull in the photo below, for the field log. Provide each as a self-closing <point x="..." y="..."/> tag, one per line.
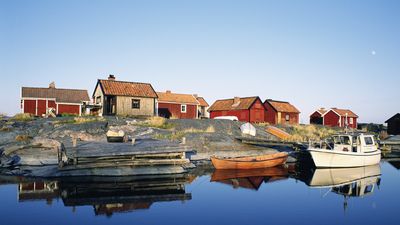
<point x="244" y="163"/>
<point x="335" y="159"/>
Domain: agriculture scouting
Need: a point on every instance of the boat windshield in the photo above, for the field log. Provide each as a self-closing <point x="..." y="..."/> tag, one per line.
<point x="342" y="140"/>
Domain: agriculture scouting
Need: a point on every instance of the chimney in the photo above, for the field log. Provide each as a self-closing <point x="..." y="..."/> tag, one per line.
<point x="168" y="92"/>
<point x="196" y="95"/>
<point x="52" y="85"/>
<point x="111" y="77"/>
<point x="236" y="100"/>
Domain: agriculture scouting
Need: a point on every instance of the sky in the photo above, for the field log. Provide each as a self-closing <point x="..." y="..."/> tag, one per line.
<point x="314" y="54"/>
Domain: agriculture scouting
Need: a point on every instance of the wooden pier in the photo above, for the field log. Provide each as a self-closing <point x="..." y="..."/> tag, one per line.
<point x="271" y="143"/>
<point x="145" y="155"/>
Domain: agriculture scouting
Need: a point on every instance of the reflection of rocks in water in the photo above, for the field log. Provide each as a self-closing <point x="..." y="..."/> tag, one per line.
<point x="110" y="195"/>
<point x="38" y="190"/>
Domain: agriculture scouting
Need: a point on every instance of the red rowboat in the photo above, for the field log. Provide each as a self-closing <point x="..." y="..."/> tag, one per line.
<point x="250" y="162"/>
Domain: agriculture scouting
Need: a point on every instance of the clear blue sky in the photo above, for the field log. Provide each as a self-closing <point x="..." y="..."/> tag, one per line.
<point x="311" y="53"/>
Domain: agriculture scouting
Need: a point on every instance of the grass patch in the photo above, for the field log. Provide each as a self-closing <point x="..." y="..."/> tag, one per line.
<point x="22" y="117"/>
<point x="170" y="136"/>
<point x="80" y="120"/>
<point x="21" y="138"/>
<point x="5" y="129"/>
<point x="304" y="133"/>
<point x="157" y="122"/>
<point x="209" y="129"/>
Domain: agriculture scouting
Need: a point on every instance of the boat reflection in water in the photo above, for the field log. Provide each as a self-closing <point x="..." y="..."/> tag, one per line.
<point x="250" y="179"/>
<point x="107" y="195"/>
<point x="348" y="182"/>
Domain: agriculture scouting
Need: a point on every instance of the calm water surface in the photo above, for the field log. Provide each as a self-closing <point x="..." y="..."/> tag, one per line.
<point x="265" y="197"/>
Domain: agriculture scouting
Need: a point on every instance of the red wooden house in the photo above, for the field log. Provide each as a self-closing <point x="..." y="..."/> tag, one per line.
<point x="279" y="112"/>
<point x="335" y="117"/>
<point x="249" y="109"/>
<point x="52" y="100"/>
<point x="179" y="106"/>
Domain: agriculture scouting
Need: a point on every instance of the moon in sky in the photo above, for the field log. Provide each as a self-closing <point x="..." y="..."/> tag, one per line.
<point x="373" y="52"/>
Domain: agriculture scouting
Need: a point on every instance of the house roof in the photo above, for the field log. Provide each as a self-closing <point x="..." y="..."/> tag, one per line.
<point x="124" y="88"/>
<point x="393" y="117"/>
<point x="343" y="112"/>
<point x="61" y="95"/>
<point x="281" y="106"/>
<point x="177" y="98"/>
<point x="228" y="104"/>
<point x="202" y="102"/>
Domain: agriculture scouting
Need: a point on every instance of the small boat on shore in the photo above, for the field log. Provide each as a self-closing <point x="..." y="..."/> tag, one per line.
<point x="250" y="162"/>
<point x="346" y="150"/>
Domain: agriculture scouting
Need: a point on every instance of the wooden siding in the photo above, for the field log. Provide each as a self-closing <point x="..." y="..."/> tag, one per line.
<point x="270" y="114"/>
<point x="70" y="109"/>
<point x="316" y="118"/>
<point x="124" y="106"/>
<point x="273" y="117"/>
<point x="30" y="106"/>
<point x="394" y="125"/>
<point x="173" y="110"/>
<point x="41" y="107"/>
<point x="332" y="119"/>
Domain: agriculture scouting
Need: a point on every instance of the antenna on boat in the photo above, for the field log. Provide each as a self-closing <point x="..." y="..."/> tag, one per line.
<point x="346" y="123"/>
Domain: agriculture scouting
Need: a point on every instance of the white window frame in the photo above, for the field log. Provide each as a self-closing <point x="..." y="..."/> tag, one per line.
<point x="287" y="117"/>
<point x="183" y="106"/>
<point x="351" y="120"/>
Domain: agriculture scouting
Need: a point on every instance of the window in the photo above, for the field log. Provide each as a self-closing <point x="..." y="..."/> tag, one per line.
<point x="351" y="120"/>
<point x="368" y="141"/>
<point x="183" y="108"/>
<point x="287" y="117"/>
<point x="135" y="104"/>
<point x="98" y="99"/>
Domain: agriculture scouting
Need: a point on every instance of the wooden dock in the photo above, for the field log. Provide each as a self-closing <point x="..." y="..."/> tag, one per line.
<point x="93" y="156"/>
<point x="271" y="143"/>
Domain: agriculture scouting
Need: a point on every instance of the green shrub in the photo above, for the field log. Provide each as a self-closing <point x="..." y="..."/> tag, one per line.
<point x="22" y="117"/>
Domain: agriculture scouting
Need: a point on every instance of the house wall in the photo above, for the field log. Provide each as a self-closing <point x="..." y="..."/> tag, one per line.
<point x="316" y="118"/>
<point x="331" y="119"/>
<point x="41" y="107"/>
<point x="242" y="115"/>
<point x="394" y="126"/>
<point x="70" y="109"/>
<point x="173" y="110"/>
<point x="29" y="106"/>
<point x="257" y="112"/>
<point x="293" y="118"/>
<point x="270" y="114"/>
<point x="124" y="106"/>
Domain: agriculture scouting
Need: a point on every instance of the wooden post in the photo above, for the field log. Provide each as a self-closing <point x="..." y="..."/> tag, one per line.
<point x="74" y="140"/>
<point x="133" y="141"/>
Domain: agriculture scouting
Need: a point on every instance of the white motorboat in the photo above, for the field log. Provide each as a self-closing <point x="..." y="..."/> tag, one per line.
<point x="346" y="150"/>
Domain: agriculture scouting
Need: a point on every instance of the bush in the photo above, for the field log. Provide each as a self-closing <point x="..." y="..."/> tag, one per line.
<point x="22" y="117"/>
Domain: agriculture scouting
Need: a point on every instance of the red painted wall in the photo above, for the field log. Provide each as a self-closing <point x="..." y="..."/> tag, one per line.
<point x="72" y="109"/>
<point x="332" y="119"/>
<point x="41" y="107"/>
<point x="52" y="104"/>
<point x="256" y="113"/>
<point x="315" y="116"/>
<point x="242" y="115"/>
<point x="30" y="106"/>
<point x="174" y="110"/>
<point x="270" y="114"/>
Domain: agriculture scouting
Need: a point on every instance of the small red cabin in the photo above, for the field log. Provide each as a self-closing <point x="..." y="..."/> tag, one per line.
<point x="179" y="106"/>
<point x="249" y="109"/>
<point x="280" y="112"/>
<point x="334" y="118"/>
<point x="53" y="101"/>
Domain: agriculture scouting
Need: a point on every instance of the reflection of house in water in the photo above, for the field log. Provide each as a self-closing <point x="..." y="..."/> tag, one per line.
<point x="38" y="190"/>
<point x="250" y="179"/>
<point x="113" y="195"/>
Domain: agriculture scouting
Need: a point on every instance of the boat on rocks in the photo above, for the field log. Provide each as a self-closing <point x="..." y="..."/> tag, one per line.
<point x="250" y="162"/>
<point x="345" y="150"/>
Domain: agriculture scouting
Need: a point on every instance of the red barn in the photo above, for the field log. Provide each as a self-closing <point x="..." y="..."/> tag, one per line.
<point x="52" y="100"/>
<point x="279" y="112"/>
<point x="249" y="109"/>
<point x="179" y="106"/>
<point x="335" y="118"/>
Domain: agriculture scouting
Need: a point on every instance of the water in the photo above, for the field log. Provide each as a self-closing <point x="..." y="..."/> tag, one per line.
<point x="283" y="199"/>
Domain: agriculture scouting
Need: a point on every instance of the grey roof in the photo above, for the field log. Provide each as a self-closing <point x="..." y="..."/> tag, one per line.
<point x="61" y="95"/>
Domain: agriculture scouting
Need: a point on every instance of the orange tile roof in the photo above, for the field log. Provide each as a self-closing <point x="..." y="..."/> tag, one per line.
<point x="177" y="98"/>
<point x="228" y="104"/>
<point x="124" y="88"/>
<point x="283" y="106"/>
<point x="61" y="95"/>
<point x="342" y="112"/>
<point x="202" y="102"/>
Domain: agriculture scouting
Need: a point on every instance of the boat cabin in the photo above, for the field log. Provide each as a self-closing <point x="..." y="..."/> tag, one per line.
<point x="357" y="143"/>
